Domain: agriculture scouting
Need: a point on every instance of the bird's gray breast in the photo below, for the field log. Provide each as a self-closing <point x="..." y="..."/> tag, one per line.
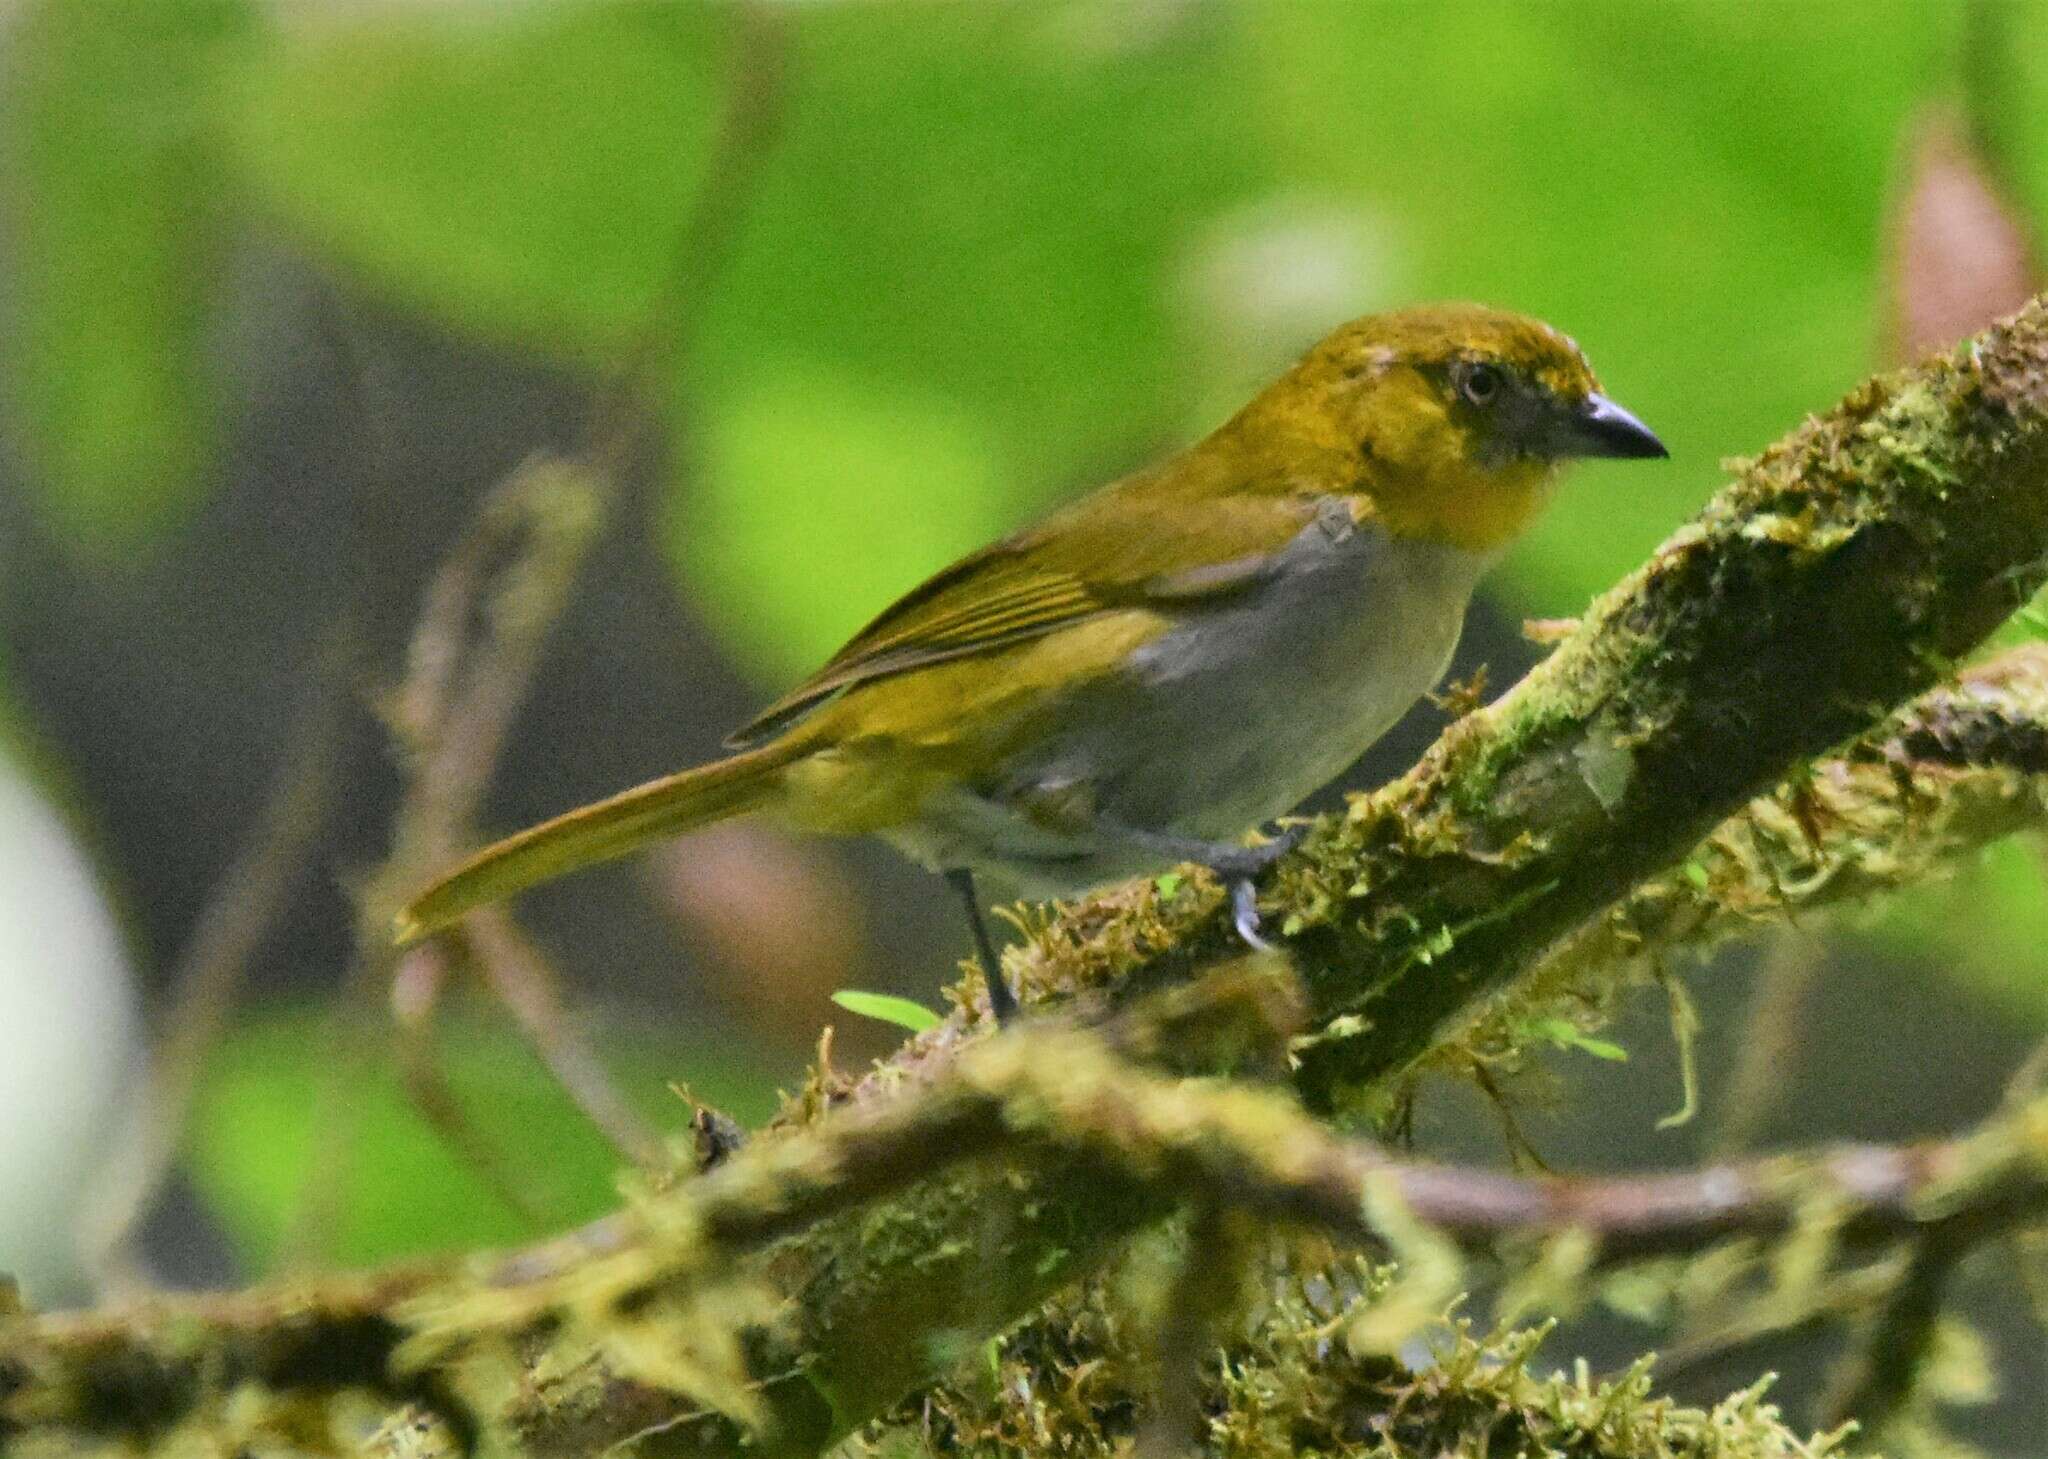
<point x="1245" y="707"/>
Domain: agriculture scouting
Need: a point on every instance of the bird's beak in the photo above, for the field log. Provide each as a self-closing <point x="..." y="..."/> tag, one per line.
<point x="1601" y="428"/>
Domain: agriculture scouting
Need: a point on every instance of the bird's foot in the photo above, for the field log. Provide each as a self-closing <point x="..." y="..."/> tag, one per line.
<point x="1239" y="869"/>
<point x="1249" y="863"/>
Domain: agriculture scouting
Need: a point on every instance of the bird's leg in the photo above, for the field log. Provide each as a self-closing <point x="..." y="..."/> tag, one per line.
<point x="1237" y="867"/>
<point x="1001" y="1002"/>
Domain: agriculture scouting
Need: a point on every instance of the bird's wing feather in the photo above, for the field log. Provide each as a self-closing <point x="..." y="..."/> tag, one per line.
<point x="1108" y="552"/>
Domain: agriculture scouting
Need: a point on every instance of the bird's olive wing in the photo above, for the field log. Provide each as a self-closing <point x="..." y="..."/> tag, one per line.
<point x="1102" y="556"/>
<point x="980" y="604"/>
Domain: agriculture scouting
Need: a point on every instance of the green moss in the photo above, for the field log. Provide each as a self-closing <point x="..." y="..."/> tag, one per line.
<point x="1075" y="1384"/>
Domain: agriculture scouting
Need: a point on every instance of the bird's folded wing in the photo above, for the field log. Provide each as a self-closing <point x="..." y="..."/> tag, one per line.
<point x="1104" y="554"/>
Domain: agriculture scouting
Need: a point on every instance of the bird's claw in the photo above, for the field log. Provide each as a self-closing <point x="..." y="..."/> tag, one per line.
<point x="1244" y="913"/>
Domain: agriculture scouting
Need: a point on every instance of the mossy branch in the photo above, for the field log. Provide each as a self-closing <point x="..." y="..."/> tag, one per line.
<point x="1959" y="768"/>
<point x="657" y="1295"/>
<point x="1837" y="576"/>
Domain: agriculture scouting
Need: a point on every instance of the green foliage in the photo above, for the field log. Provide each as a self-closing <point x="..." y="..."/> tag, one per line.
<point x="524" y="172"/>
<point x="1002" y="217"/>
<point x="990" y="201"/>
<point x="846" y="455"/>
<point x="887" y="1008"/>
<point x="406" y="1190"/>
<point x="995" y="222"/>
<point x="113" y="208"/>
<point x="969" y="211"/>
<point x="1562" y="1033"/>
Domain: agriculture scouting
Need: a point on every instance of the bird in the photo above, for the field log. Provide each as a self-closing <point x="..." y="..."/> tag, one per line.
<point x="1149" y="673"/>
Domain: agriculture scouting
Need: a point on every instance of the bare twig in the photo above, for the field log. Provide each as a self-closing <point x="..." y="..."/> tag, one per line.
<point x="519" y="976"/>
<point x="512" y="571"/>
<point x="1881" y="1378"/>
<point x="1846" y="1297"/>
<point x="457" y="700"/>
<point x="419" y="1071"/>
<point x="1770" y="1040"/>
<point x="487" y="617"/>
<point x="210" y="970"/>
<point x="752" y="120"/>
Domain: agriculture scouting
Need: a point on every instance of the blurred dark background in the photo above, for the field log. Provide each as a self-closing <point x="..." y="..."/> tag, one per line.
<point x="291" y="287"/>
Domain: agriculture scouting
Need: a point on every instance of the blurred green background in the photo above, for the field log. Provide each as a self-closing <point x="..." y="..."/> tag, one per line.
<point x="289" y="286"/>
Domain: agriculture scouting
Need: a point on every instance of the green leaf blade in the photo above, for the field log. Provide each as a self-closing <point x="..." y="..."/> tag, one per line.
<point x="887" y="1008"/>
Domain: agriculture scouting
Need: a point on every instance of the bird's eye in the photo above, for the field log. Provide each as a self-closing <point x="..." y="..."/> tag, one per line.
<point x="1480" y="383"/>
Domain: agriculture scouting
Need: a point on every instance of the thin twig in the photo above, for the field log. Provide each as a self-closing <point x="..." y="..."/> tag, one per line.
<point x="459" y="695"/>
<point x="435" y="1099"/>
<point x="518" y="975"/>
<point x="1880" y="1380"/>
<point x="1848" y="1295"/>
<point x="1769" y="1041"/>
<point x="210" y="970"/>
<point x="512" y="570"/>
<point x="751" y="122"/>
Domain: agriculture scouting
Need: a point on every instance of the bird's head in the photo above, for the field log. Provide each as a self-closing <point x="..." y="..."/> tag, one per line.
<point x="1458" y="416"/>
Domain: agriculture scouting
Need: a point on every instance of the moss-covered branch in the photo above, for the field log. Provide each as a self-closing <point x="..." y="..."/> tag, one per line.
<point x="1962" y="766"/>
<point x="1307" y="1365"/>
<point x="1836" y="577"/>
<point x="1281" y="1387"/>
<point x="657" y="1298"/>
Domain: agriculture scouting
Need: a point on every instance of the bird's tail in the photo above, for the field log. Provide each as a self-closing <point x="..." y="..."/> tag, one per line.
<point x="600" y="832"/>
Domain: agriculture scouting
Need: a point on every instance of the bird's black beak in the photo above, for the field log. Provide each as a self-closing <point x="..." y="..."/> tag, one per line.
<point x="1601" y="428"/>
